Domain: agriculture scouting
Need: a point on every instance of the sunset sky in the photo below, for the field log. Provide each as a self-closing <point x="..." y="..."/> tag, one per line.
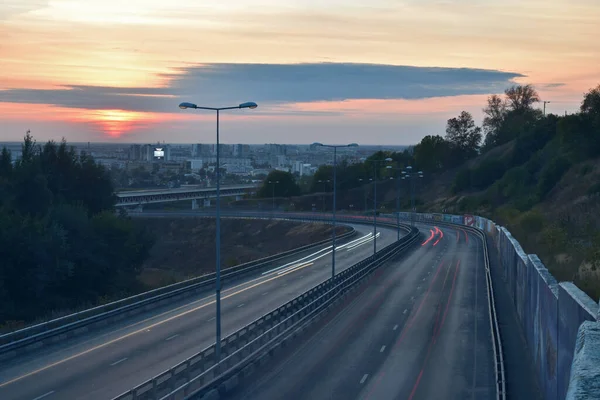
<point x="372" y="72"/>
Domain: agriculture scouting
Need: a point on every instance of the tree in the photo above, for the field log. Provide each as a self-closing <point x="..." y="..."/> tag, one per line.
<point x="591" y="102"/>
<point x="463" y="135"/>
<point x="61" y="242"/>
<point x="521" y="98"/>
<point x="495" y="112"/>
<point x="287" y="186"/>
<point x="431" y="153"/>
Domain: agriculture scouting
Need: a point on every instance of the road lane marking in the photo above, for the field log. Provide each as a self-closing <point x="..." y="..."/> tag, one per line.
<point x="395" y="327"/>
<point x="304" y="259"/>
<point x="382" y="349"/>
<point x="241" y="305"/>
<point x="118" y="362"/>
<point x="44" y="395"/>
<point x="265" y="293"/>
<point x="297" y="266"/>
<point x="171" y="337"/>
<point x="405" y="311"/>
<point x="212" y="319"/>
<point x="145" y="329"/>
<point x="364" y="378"/>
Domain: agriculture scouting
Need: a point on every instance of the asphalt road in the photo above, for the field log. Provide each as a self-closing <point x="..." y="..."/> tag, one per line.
<point x="107" y="362"/>
<point x="418" y="329"/>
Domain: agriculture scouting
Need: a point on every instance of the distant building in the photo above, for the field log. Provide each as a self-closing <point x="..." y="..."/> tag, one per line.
<point x="196" y="165"/>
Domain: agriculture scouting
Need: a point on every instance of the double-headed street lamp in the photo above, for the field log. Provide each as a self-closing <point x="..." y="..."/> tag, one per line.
<point x="273" y="183"/>
<point x="324" y="188"/>
<point x="410" y="175"/>
<point x="360" y="180"/>
<point x="184" y="106"/>
<point x="376" y="162"/>
<point x="334" y="147"/>
<point x="398" y="179"/>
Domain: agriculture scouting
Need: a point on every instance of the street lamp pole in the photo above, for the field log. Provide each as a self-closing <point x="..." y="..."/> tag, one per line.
<point x="273" y="183"/>
<point x="376" y="162"/>
<point x="334" y="147"/>
<point x="183" y="106"/>
<point x="546" y="102"/>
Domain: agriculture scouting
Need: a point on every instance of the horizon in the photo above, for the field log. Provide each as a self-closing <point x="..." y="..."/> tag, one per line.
<point x="335" y="72"/>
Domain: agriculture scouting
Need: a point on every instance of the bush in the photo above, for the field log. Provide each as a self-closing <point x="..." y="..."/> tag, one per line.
<point x="462" y="180"/>
<point x="594" y="189"/>
<point x="585" y="169"/>
<point x="487" y="173"/>
<point x="551" y="174"/>
<point x="532" y="222"/>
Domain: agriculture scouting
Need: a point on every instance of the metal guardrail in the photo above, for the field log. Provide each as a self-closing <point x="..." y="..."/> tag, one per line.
<point x="250" y="342"/>
<point x="76" y="323"/>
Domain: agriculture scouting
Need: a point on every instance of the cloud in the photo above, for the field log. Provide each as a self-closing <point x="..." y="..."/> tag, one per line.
<point x="271" y="84"/>
<point x="553" y="85"/>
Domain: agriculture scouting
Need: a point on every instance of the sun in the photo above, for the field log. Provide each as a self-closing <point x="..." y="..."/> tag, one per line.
<point x="115" y="123"/>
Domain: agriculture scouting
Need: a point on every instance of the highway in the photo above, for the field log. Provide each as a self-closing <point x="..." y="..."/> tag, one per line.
<point x="419" y="329"/>
<point x="105" y="363"/>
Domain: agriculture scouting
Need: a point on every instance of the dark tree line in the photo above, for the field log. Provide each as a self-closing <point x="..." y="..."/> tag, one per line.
<point x="62" y="245"/>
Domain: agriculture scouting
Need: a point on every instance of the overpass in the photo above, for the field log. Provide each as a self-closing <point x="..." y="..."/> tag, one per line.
<point x="140" y="197"/>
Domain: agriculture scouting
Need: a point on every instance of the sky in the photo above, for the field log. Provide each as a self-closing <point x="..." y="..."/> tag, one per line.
<point x="376" y="72"/>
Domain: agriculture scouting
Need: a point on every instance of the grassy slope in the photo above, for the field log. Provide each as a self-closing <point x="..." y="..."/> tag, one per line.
<point x="185" y="247"/>
<point x="562" y="228"/>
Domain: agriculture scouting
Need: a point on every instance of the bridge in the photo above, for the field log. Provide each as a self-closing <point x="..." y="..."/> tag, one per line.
<point x="140" y="197"/>
<point x="436" y="314"/>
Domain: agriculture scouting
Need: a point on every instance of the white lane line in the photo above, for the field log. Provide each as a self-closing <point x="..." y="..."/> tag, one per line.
<point x="327" y="249"/>
<point x="241" y="305"/>
<point x="171" y="337"/>
<point x="423" y="279"/>
<point x="382" y="349"/>
<point x="405" y="311"/>
<point x="118" y="362"/>
<point x="265" y="293"/>
<point x="212" y="319"/>
<point x="44" y="395"/>
<point x="395" y="327"/>
<point x="418" y="287"/>
<point x="364" y="378"/>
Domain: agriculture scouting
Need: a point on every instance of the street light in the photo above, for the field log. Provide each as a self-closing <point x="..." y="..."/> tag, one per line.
<point x="184" y="106"/>
<point x="324" y="188"/>
<point x="273" y="183"/>
<point x="412" y="177"/>
<point x="376" y="162"/>
<point x="360" y="180"/>
<point x="334" y="147"/>
<point x="398" y="178"/>
<point x="546" y="102"/>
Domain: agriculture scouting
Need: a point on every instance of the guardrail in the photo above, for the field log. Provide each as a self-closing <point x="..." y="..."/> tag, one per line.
<point x="14" y="343"/>
<point x="390" y="221"/>
<point x="250" y="343"/>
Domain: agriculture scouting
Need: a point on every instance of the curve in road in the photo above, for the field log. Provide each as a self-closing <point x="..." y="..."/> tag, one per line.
<point x="420" y="329"/>
<point x="105" y="363"/>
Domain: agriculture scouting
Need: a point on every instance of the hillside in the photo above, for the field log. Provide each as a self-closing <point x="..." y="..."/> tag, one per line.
<point x="536" y="174"/>
<point x="185" y="247"/>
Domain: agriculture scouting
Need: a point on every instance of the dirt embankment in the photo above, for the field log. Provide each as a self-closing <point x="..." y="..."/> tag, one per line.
<point x="185" y="247"/>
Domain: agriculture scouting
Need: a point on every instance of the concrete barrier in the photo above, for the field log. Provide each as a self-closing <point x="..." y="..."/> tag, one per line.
<point x="574" y="308"/>
<point x="585" y="374"/>
<point x="560" y="321"/>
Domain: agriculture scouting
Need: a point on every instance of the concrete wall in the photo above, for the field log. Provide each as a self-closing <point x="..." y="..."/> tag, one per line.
<point x="560" y="321"/>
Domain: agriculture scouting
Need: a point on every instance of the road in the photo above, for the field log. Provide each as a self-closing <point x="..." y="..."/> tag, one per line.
<point x="107" y="362"/>
<point x="420" y="329"/>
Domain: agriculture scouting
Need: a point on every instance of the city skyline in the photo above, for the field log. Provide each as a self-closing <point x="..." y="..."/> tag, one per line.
<point x="387" y="73"/>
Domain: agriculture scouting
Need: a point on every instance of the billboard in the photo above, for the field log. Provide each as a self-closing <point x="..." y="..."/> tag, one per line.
<point x="159" y="153"/>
